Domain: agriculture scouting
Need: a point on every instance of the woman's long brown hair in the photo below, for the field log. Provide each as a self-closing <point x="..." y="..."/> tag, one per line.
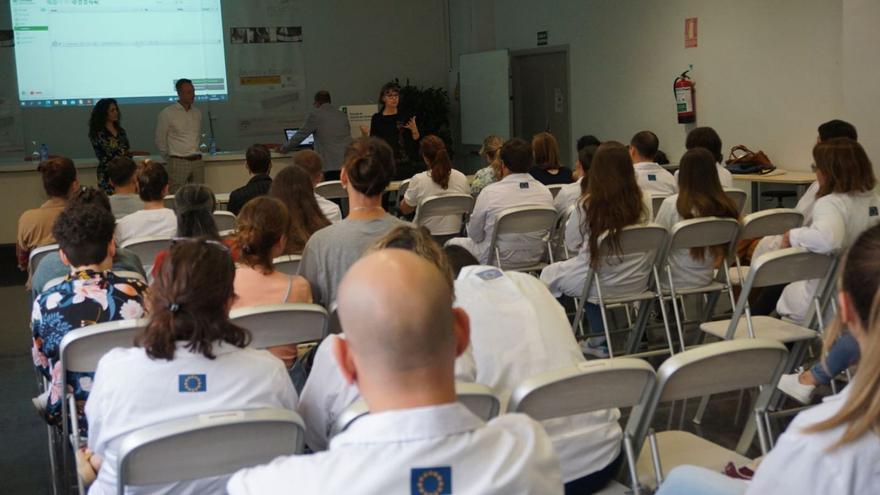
<point x="433" y="150"/>
<point x="845" y="166"/>
<point x="546" y="151"/>
<point x="293" y="186"/>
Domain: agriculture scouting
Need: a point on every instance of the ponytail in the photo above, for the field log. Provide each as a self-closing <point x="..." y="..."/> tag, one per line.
<point x="433" y="150"/>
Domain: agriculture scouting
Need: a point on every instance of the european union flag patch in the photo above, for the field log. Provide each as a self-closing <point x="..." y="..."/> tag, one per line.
<point x="192" y="383"/>
<point x="872" y="211"/>
<point x="431" y="481"/>
<point x="652" y="177"/>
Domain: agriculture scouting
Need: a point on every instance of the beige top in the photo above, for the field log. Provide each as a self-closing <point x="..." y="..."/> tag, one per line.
<point x="35" y="226"/>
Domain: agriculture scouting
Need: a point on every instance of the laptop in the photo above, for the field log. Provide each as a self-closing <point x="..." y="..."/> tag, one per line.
<point x="308" y="142"/>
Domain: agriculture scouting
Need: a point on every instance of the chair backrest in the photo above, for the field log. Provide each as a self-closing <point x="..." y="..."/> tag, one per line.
<point x="289" y="263"/>
<point x="130" y="274"/>
<point x="279" y="324"/>
<point x="168" y="201"/>
<point x="401" y="189"/>
<point x="788" y="265"/>
<point x="226" y="234"/>
<point x="81" y="349"/>
<point x="738" y="196"/>
<point x="442" y="205"/>
<point x="331" y="189"/>
<point x="775" y="221"/>
<point x="656" y="202"/>
<point x="522" y="220"/>
<point x="207" y="445"/>
<point x="225" y="220"/>
<point x="649" y="239"/>
<point x="146" y="248"/>
<point x="703" y="232"/>
<point x="555" y="188"/>
<point x="586" y="387"/>
<point x="38" y="254"/>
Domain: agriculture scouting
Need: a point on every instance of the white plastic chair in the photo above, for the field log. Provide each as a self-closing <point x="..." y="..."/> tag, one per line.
<point x="289" y="263"/>
<point x="146" y="249"/>
<point x="37" y="255"/>
<point x="589" y="386"/>
<point x="225" y="220"/>
<point x="555" y="188"/>
<point x="168" y="201"/>
<point x="775" y="221"/>
<point x="281" y="324"/>
<point x="225" y="235"/>
<point x="523" y="220"/>
<point x="207" y="445"/>
<point x="709" y="369"/>
<point x="443" y="205"/>
<point x="331" y="189"/>
<point x="738" y="196"/>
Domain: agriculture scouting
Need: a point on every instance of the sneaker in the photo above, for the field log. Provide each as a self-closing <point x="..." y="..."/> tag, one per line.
<point x="792" y="387"/>
<point x="595" y="349"/>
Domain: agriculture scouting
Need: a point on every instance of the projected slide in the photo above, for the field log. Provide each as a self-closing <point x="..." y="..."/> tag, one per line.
<point x="74" y="52"/>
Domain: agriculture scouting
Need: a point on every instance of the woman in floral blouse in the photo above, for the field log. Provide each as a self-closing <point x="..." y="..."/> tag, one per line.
<point x="90" y="294"/>
<point x="490" y="152"/>
<point x="109" y="139"/>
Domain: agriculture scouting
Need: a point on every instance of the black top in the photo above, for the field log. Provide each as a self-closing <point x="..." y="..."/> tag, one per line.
<point x="562" y="176"/>
<point x="257" y="186"/>
<point x="390" y="128"/>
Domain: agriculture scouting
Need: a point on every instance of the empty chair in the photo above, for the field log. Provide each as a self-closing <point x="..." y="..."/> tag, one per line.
<point x="288" y="263"/>
<point x="279" y="324"/>
<point x="518" y="221"/>
<point x="444" y="205"/>
<point x="555" y="188"/>
<point x="776" y="221"/>
<point x="738" y="196"/>
<point x="146" y="248"/>
<point x="225" y="220"/>
<point x="37" y="255"/>
<point x="710" y="369"/>
<point x="207" y="445"/>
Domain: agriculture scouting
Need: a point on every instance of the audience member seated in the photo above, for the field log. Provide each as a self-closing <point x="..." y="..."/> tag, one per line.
<point x="699" y="195"/>
<point x="652" y="178"/>
<point x="90" y="294"/>
<point x="258" y="160"/>
<point x="515" y="312"/>
<point x="570" y="193"/>
<point x="834" y="446"/>
<point x="194" y="206"/>
<point x="516" y="188"/>
<point x="613" y="201"/>
<point x="326" y="393"/>
<point x="366" y="172"/>
<point x="261" y="235"/>
<point x="190" y="360"/>
<point x="51" y="267"/>
<point x="416" y="438"/>
<point x="122" y="174"/>
<point x="35" y="225"/>
<point x="312" y="163"/>
<point x="154" y="219"/>
<point x="440" y="178"/>
<point x="587" y="140"/>
<point x="708" y="139"/>
<point x="547" y="169"/>
<point x="490" y="152"/>
<point x="293" y="187"/>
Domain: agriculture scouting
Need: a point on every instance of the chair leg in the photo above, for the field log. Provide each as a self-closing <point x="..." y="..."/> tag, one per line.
<point x="701" y="409"/>
<point x="638" y="331"/>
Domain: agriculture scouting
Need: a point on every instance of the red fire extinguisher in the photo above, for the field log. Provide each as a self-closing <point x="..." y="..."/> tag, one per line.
<point x="684" y="98"/>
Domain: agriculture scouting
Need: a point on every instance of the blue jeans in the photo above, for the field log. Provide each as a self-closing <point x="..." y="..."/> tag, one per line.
<point x="686" y="480"/>
<point x="594" y="318"/>
<point x="843" y="354"/>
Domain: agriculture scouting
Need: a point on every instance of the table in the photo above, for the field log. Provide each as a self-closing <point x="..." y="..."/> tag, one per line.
<point x="779" y="176"/>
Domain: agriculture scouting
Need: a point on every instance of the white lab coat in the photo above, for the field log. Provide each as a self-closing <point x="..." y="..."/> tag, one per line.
<point x="838" y="219"/>
<point x="804" y="205"/>
<point x="422" y="186"/>
<point x="618" y="275"/>
<point x="519" y="330"/>
<point x="686" y="271"/>
<point x="567" y="196"/>
<point x="802" y="464"/>
<point x="389" y="452"/>
<point x="326" y="394"/>
<point x="724" y="176"/>
<point x="510" y="192"/>
<point x="655" y="180"/>
<point x="131" y="391"/>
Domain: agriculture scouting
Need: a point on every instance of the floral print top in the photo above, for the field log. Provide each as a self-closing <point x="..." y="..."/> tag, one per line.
<point x="482" y="178"/>
<point x="107" y="147"/>
<point x="83" y="298"/>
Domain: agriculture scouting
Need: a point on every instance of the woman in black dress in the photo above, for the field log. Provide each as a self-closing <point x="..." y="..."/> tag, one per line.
<point x="108" y="138"/>
<point x="396" y="128"/>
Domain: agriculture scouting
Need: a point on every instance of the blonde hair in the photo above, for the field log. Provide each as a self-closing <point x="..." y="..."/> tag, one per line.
<point x="491" y="152"/>
<point x="419" y="241"/>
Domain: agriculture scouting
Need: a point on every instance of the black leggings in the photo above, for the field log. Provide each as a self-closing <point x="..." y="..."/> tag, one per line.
<point x="767" y="299"/>
<point x="594" y="482"/>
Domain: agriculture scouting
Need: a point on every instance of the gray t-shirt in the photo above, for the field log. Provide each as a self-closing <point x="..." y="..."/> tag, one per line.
<point x="51" y="267"/>
<point x="124" y="204"/>
<point x="333" y="249"/>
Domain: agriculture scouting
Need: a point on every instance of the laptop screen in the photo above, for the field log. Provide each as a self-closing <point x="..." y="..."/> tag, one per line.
<point x="309" y="141"/>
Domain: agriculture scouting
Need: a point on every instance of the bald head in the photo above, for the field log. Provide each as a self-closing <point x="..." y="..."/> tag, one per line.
<point x="396" y="309"/>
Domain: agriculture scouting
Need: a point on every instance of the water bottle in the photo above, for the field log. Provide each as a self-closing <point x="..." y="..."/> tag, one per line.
<point x="35" y="151"/>
<point x="203" y="147"/>
<point x="212" y="143"/>
<point x="44" y="152"/>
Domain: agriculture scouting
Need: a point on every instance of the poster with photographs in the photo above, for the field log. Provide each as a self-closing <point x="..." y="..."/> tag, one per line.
<point x="268" y="34"/>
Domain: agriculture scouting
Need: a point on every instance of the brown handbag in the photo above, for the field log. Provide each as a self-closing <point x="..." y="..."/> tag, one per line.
<point x="745" y="161"/>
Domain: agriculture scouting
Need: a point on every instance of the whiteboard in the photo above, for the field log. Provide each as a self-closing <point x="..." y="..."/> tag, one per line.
<point x="485" y="95"/>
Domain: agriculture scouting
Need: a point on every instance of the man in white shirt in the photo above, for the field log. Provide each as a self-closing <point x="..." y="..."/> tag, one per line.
<point x="707" y="138"/>
<point x="416" y="438"/>
<point x="177" y="137"/>
<point x="516" y="188"/>
<point x="154" y="219"/>
<point x="652" y="178"/>
<point x="311" y="162"/>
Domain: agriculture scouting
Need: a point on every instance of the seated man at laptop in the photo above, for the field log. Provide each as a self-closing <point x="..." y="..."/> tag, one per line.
<point x="258" y="161"/>
<point x="416" y="438"/>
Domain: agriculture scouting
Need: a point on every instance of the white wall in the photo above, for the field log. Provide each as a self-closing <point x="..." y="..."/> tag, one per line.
<point x="861" y="72"/>
<point x="767" y="73"/>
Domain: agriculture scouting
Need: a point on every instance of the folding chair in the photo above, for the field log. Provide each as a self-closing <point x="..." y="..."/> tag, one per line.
<point x="443" y="205"/>
<point x="37" y="255"/>
<point x="479" y="399"/>
<point x="225" y="235"/>
<point x="207" y="445"/>
<point x="281" y="324"/>
<point x="518" y="221"/>
<point x="288" y="263"/>
<point x="555" y="188"/>
<point x="710" y="369"/>
<point x="333" y="190"/>
<point x="587" y="387"/>
<point x="775" y="221"/>
<point x="699" y="233"/>
<point x="649" y="243"/>
<point x="225" y="220"/>
<point x="146" y="249"/>
<point x="401" y="190"/>
<point x="558" y="249"/>
<point x="656" y="201"/>
<point x="738" y="196"/>
<point x="81" y="349"/>
<point x="168" y="201"/>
